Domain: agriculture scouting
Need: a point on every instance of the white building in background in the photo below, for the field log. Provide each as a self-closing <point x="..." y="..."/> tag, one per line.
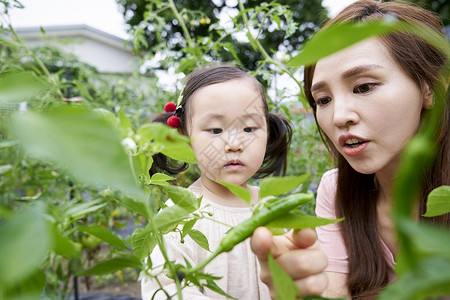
<point x="102" y="50"/>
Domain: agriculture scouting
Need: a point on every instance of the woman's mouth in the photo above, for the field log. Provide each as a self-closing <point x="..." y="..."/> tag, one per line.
<point x="352" y="145"/>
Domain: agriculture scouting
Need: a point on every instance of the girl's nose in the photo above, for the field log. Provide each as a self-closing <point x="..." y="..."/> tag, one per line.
<point x="344" y="113"/>
<point x="234" y="146"/>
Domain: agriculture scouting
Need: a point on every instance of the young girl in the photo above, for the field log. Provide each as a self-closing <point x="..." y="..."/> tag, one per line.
<point x="234" y="137"/>
<point x="368" y="100"/>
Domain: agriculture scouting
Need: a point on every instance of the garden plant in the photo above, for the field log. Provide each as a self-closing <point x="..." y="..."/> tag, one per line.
<point x="74" y="172"/>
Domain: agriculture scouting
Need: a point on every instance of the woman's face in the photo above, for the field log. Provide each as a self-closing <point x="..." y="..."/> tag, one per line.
<point x="367" y="105"/>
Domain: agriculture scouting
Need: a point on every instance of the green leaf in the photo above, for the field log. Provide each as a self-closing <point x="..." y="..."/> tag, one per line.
<point x="20" y="86"/>
<point x="199" y="238"/>
<point x="5" y="168"/>
<point x="24" y="241"/>
<point x="64" y="246"/>
<point x="283" y="283"/>
<point x="28" y="288"/>
<point x="168" y="141"/>
<point x="113" y="265"/>
<point x="239" y="191"/>
<point x="338" y="37"/>
<point x="160" y="179"/>
<point x="170" y="217"/>
<point x="135" y="206"/>
<point x="104" y="234"/>
<point x="182" y="197"/>
<point x="438" y="201"/>
<point x="430" y="278"/>
<point x="79" y="210"/>
<point x="125" y="122"/>
<point x="81" y="141"/>
<point x="275" y="186"/>
<point x="143" y="243"/>
<point x="295" y="221"/>
<point x="426" y="240"/>
<point x="188" y="227"/>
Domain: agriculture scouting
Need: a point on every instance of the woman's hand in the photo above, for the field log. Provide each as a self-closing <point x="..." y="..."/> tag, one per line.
<point x="297" y="253"/>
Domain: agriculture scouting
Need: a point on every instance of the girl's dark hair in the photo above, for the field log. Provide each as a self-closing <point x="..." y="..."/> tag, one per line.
<point x="357" y="193"/>
<point x="278" y="129"/>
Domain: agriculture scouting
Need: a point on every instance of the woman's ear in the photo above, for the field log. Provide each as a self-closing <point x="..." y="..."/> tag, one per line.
<point x="428" y="97"/>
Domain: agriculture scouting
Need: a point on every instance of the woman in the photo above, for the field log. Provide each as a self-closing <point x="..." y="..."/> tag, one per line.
<point x="368" y="101"/>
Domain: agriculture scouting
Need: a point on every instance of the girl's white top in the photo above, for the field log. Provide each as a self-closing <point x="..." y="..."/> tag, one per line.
<point x="238" y="268"/>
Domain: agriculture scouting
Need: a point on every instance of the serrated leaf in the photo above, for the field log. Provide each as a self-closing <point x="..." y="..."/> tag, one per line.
<point x="283" y="283"/>
<point x="338" y="37"/>
<point x="113" y="265"/>
<point x="199" y="238"/>
<point x="438" y="202"/>
<point x="80" y="141"/>
<point x="104" y="234"/>
<point x="237" y="190"/>
<point x="296" y="221"/>
<point x="430" y="278"/>
<point x="143" y="243"/>
<point x="275" y="186"/>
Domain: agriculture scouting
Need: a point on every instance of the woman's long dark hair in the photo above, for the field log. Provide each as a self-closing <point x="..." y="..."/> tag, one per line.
<point x="278" y="129"/>
<point x="357" y="194"/>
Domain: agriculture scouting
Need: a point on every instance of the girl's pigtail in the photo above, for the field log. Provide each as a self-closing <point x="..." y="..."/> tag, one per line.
<point x="160" y="161"/>
<point x="278" y="142"/>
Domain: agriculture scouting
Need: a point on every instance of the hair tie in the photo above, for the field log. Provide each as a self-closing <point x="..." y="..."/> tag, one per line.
<point x="174" y="121"/>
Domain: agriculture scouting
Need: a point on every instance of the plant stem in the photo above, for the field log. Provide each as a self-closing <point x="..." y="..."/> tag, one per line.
<point x="263" y="51"/>
<point x="187" y="35"/>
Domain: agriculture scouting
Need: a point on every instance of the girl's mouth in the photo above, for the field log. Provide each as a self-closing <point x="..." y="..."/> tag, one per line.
<point x="234" y="164"/>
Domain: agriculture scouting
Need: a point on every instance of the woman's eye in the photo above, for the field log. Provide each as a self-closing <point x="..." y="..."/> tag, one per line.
<point x="215" y="130"/>
<point x="323" y="101"/>
<point x="363" y="88"/>
<point x="250" y="129"/>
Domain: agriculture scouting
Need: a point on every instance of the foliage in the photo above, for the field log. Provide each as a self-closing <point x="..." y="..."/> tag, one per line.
<point x="72" y="173"/>
<point x="441" y="7"/>
<point x="275" y="24"/>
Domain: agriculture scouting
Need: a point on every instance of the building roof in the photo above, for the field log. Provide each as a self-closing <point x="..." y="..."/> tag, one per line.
<point x="75" y="31"/>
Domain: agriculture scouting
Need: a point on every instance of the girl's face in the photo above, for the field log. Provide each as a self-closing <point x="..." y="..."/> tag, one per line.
<point x="228" y="131"/>
<point x="367" y="106"/>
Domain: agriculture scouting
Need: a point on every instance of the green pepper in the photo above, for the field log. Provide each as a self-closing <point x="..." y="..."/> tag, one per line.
<point x="262" y="217"/>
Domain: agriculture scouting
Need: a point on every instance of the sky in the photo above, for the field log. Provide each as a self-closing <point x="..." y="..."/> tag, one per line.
<point x="101" y="14"/>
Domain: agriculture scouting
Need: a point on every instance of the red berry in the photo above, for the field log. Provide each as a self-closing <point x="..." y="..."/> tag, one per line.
<point x="170" y="107"/>
<point x="173" y="121"/>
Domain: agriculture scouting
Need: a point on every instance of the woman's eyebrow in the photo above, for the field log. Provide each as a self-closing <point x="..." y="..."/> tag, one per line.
<point x="349" y="73"/>
<point x="360" y="69"/>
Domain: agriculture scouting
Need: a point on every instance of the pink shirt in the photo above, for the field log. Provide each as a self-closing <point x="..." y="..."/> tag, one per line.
<point x="330" y="236"/>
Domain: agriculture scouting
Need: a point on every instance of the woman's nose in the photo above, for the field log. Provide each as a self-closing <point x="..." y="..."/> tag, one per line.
<point x="344" y="113"/>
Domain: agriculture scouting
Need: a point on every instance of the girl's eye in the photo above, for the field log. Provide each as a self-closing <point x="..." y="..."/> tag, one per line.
<point x="323" y="101"/>
<point x="215" y="130"/>
<point x="250" y="129"/>
<point x="364" y="88"/>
